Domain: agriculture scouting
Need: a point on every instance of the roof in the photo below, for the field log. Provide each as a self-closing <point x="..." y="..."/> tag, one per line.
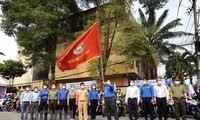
<point x="2" y="82"/>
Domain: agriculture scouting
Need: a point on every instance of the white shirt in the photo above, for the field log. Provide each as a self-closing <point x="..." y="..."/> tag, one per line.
<point x="161" y="91"/>
<point x="132" y="92"/>
<point x="35" y="96"/>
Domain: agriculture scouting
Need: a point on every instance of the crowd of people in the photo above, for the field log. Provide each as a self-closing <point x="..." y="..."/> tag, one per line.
<point x="59" y="103"/>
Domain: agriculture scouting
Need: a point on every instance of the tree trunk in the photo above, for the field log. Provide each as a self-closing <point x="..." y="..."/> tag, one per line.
<point x="53" y="63"/>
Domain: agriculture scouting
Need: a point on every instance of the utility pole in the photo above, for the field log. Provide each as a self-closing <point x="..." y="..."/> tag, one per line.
<point x="197" y="43"/>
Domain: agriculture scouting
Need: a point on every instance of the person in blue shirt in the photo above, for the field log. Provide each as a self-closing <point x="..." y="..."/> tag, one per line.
<point x="62" y="100"/>
<point x="93" y="101"/>
<point x="110" y="100"/>
<point x="25" y="103"/>
<point x="147" y="98"/>
<point x="43" y="102"/>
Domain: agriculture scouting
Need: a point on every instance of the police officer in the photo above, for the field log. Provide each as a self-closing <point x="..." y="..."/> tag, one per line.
<point x="179" y="94"/>
<point x="43" y="102"/>
<point x="53" y="102"/>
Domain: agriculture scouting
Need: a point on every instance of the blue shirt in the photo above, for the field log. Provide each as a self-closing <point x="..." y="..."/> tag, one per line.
<point x="8" y="97"/>
<point x="93" y="95"/>
<point x="62" y="94"/>
<point x="109" y="91"/>
<point x="146" y="90"/>
<point x="44" y="94"/>
<point x="26" y="96"/>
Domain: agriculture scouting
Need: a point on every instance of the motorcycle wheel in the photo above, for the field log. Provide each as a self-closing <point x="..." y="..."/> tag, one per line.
<point x="196" y="114"/>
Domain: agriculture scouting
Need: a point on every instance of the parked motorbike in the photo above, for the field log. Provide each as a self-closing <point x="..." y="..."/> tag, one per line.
<point x="193" y="109"/>
<point x="120" y="107"/>
<point x="8" y="106"/>
<point x="171" y="109"/>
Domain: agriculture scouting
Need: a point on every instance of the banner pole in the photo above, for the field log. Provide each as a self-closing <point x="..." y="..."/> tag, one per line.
<point x="102" y="73"/>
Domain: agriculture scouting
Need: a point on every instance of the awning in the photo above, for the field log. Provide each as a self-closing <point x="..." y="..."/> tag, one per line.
<point x="2" y="82"/>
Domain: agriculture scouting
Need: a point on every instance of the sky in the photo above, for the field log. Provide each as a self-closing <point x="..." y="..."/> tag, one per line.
<point x="9" y="47"/>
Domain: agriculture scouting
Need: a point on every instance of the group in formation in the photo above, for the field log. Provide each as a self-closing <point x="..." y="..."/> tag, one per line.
<point x="59" y="103"/>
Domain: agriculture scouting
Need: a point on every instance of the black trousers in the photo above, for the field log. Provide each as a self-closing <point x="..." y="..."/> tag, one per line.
<point x="147" y="107"/>
<point x="162" y="108"/>
<point x="43" y="109"/>
<point x="72" y="108"/>
<point x="132" y="108"/>
<point x="93" y="108"/>
<point x="110" y="108"/>
<point x="63" y="105"/>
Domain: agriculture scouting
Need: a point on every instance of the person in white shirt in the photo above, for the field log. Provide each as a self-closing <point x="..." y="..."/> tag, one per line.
<point x="35" y="101"/>
<point x="132" y="100"/>
<point x="162" y="97"/>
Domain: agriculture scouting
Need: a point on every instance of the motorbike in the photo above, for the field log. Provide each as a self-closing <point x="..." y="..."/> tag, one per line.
<point x="120" y="107"/>
<point x="8" y="106"/>
<point x="171" y="109"/>
<point x="192" y="108"/>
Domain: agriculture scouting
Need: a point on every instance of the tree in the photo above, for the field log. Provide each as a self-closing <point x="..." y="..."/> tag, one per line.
<point x="38" y="25"/>
<point x="156" y="33"/>
<point x="10" y="69"/>
<point x="110" y="14"/>
<point x="2" y="53"/>
<point x="181" y="64"/>
<point x="153" y="4"/>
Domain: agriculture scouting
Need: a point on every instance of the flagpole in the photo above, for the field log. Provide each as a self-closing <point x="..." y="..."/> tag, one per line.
<point x="101" y="58"/>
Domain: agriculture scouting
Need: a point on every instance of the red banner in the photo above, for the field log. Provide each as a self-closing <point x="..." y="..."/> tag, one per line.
<point x="84" y="48"/>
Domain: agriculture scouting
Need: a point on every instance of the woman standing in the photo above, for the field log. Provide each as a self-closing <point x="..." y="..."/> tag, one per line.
<point x="72" y="102"/>
<point x="93" y="101"/>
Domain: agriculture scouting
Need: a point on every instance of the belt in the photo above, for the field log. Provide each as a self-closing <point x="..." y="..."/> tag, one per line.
<point x="132" y="98"/>
<point x="35" y="102"/>
<point x="82" y="100"/>
<point x="53" y="99"/>
<point x="25" y="101"/>
<point x="43" y="99"/>
<point x="62" y="100"/>
<point x="109" y="97"/>
<point x="160" y="98"/>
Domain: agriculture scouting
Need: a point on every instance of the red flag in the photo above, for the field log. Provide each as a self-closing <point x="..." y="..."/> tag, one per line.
<point x="84" y="48"/>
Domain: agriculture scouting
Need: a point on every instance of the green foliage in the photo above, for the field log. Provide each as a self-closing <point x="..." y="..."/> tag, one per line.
<point x="38" y="26"/>
<point x="10" y="69"/>
<point x="153" y="4"/>
<point x="181" y="64"/>
<point x="11" y="89"/>
<point x="2" y="53"/>
<point x="110" y="16"/>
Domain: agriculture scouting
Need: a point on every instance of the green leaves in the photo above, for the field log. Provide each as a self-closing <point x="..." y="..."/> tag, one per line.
<point x="11" y="69"/>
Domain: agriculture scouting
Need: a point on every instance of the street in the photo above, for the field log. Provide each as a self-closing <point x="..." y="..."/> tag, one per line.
<point x="16" y="116"/>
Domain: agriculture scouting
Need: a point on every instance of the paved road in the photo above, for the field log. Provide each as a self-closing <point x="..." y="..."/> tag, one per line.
<point x="16" y="116"/>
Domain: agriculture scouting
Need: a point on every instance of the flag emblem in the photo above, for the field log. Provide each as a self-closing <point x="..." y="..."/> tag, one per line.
<point x="79" y="49"/>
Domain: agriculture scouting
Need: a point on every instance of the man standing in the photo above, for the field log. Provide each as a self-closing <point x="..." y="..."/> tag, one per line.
<point x="178" y="93"/>
<point x="162" y="96"/>
<point x="62" y="101"/>
<point x="43" y="103"/>
<point x="110" y="100"/>
<point x="82" y="102"/>
<point x="53" y="102"/>
<point x="132" y="100"/>
<point x="25" y="103"/>
<point x="147" y="98"/>
<point x="35" y="103"/>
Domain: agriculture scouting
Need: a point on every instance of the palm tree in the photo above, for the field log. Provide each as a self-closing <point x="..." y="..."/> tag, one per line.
<point x="181" y="64"/>
<point x="156" y="33"/>
<point x="2" y="53"/>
